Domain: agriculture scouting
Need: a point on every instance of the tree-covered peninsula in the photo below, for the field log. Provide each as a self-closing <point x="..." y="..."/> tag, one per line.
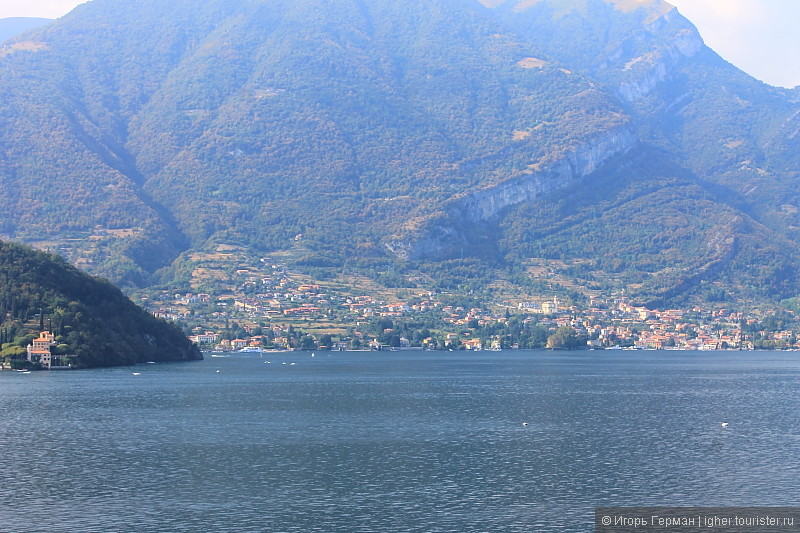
<point x="92" y="322"/>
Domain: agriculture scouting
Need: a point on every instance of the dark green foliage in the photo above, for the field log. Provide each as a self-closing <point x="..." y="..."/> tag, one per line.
<point x="565" y="338"/>
<point x="91" y="318"/>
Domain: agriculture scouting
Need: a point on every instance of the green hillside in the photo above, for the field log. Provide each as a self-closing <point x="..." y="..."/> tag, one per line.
<point x="255" y="121"/>
<point x="94" y="323"/>
<point x="707" y="207"/>
<point x="383" y="136"/>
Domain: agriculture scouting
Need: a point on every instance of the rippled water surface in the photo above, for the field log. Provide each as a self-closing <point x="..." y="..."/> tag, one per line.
<point x="398" y="441"/>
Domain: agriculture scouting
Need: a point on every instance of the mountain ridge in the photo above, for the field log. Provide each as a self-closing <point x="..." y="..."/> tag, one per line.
<point x="412" y="133"/>
<point x="13" y="26"/>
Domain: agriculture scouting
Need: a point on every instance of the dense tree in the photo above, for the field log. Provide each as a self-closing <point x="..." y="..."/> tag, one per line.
<point x="95" y="322"/>
<point x="460" y="141"/>
<point x="566" y="338"/>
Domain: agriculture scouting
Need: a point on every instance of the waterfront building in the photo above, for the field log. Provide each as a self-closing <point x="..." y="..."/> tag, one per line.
<point x="41" y="351"/>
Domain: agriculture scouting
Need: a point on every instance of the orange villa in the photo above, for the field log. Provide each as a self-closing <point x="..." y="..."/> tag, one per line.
<point x="40" y="351"/>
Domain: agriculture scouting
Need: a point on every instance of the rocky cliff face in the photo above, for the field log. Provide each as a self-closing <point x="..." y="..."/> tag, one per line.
<point x="643" y="73"/>
<point x="435" y="127"/>
<point x="580" y="161"/>
<point x="443" y="236"/>
<point x="631" y="54"/>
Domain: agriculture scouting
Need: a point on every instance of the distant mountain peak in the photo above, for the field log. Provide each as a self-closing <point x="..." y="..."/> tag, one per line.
<point x="13" y="26"/>
<point x="385" y="132"/>
<point x="653" y="8"/>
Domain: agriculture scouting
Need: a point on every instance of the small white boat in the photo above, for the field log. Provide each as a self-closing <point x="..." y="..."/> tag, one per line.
<point x="250" y="349"/>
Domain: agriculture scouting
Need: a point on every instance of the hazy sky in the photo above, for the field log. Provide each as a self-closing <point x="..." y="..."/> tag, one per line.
<point x="762" y="37"/>
<point x="37" y="8"/>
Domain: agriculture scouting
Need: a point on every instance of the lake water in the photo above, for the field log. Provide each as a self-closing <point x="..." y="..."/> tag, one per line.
<point x="396" y="441"/>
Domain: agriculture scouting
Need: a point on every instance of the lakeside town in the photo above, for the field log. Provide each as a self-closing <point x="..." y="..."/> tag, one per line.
<point x="281" y="311"/>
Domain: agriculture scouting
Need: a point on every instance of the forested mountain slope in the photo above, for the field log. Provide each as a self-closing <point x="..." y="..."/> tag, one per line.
<point x="94" y="323"/>
<point x="602" y="133"/>
<point x="716" y="199"/>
